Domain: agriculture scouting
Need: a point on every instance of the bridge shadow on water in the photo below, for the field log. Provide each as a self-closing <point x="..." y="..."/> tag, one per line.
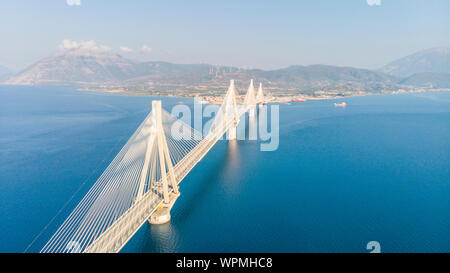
<point x="220" y="164"/>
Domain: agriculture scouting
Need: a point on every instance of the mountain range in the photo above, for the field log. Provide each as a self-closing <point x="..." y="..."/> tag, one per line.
<point x="436" y="60"/>
<point x="87" y="68"/>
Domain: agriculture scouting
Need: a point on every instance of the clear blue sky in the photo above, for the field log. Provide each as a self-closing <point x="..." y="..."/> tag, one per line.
<point x="258" y="34"/>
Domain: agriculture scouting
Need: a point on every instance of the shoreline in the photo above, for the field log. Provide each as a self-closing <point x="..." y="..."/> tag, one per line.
<point x="279" y="99"/>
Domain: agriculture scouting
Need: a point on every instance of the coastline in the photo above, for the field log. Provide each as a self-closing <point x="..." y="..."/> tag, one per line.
<point x="286" y="99"/>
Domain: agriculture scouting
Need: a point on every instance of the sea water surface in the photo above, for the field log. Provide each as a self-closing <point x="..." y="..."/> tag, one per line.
<point x="375" y="171"/>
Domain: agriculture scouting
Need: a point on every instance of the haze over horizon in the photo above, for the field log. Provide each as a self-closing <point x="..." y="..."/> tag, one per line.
<point x="358" y="33"/>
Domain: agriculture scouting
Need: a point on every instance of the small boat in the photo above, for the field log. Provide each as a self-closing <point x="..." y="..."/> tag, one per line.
<point x="298" y="100"/>
<point x="340" y="104"/>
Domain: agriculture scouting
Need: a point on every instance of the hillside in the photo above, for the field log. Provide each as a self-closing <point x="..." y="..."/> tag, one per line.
<point x="436" y="60"/>
<point x="428" y="80"/>
<point x="324" y="77"/>
<point x="77" y="67"/>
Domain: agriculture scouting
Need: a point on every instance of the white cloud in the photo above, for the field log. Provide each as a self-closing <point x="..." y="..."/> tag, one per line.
<point x="73" y="2"/>
<point x="87" y="45"/>
<point x="373" y="2"/>
<point x="146" y="49"/>
<point x="125" y="49"/>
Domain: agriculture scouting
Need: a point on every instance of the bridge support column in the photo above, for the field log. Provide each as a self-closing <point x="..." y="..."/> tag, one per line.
<point x="230" y="108"/>
<point x="162" y="213"/>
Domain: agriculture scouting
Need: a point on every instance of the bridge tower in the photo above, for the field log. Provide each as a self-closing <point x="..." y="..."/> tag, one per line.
<point x="230" y="109"/>
<point x="250" y="100"/>
<point x="157" y="140"/>
<point x="260" y="95"/>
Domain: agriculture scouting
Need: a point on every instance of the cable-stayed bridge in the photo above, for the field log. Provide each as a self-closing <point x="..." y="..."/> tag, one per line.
<point x="141" y="183"/>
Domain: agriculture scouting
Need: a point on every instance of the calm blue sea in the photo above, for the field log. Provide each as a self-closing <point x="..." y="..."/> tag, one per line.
<point x="378" y="170"/>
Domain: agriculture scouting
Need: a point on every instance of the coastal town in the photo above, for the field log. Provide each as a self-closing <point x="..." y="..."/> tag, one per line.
<point x="273" y="95"/>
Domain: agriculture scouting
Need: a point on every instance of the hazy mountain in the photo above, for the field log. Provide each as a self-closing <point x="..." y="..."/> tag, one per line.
<point x="428" y="80"/>
<point x="4" y="73"/>
<point x="76" y="66"/>
<point x="328" y="77"/>
<point x="90" y="68"/>
<point x="435" y="60"/>
<point x="84" y="67"/>
<point x="87" y="67"/>
<point x="157" y="72"/>
<point x="301" y="78"/>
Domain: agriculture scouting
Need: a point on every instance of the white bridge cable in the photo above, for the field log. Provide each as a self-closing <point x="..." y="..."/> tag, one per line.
<point x="116" y="189"/>
<point x="68" y="231"/>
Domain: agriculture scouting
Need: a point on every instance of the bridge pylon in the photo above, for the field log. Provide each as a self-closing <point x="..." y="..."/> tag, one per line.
<point x="260" y="95"/>
<point x="230" y="109"/>
<point x="250" y="100"/>
<point x="157" y="140"/>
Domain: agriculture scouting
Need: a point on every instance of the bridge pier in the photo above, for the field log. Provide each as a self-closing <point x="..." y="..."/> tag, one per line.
<point x="162" y="213"/>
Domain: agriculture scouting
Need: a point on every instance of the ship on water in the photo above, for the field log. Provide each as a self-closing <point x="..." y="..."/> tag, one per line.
<point x="340" y="104"/>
